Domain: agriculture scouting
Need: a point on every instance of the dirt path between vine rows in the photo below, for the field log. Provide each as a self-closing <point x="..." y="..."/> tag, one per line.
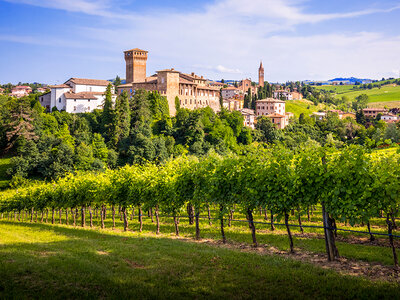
<point x="345" y="266"/>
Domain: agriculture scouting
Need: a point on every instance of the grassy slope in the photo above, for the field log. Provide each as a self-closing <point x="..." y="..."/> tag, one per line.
<point x="302" y="106"/>
<point x="385" y="94"/>
<point x="4" y="165"/>
<point x="44" y="261"/>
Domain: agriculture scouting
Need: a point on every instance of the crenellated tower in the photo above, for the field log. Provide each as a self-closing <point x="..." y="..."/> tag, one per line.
<point x="136" y="61"/>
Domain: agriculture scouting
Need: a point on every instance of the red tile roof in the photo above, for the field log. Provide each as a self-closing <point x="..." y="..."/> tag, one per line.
<point x="82" y="95"/>
<point x="136" y="49"/>
<point x="59" y="86"/>
<point x="84" y="81"/>
<point x="275" y="115"/>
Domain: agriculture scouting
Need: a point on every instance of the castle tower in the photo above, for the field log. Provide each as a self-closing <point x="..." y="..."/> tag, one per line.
<point x="261" y="75"/>
<point x="136" y="60"/>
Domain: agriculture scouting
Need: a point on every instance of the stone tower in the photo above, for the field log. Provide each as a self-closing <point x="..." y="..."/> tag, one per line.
<point x="136" y="60"/>
<point x="261" y="75"/>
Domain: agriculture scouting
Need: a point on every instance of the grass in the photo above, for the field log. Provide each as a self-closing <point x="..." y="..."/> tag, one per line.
<point x="45" y="261"/>
<point x="388" y="93"/>
<point x="303" y="106"/>
<point x="5" y="163"/>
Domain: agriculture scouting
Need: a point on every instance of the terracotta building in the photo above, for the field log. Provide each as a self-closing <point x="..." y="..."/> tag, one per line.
<point x="193" y="91"/>
<point x="374" y="112"/>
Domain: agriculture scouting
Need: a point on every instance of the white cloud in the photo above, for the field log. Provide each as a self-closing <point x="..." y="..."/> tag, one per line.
<point x="229" y="37"/>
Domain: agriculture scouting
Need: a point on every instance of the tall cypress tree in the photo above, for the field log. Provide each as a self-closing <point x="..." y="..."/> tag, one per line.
<point x="122" y="119"/>
<point x="107" y="118"/>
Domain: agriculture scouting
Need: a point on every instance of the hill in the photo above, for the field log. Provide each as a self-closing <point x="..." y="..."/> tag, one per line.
<point x="379" y="96"/>
<point x="303" y="106"/>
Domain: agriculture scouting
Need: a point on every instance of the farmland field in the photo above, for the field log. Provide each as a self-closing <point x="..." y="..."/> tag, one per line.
<point x="55" y="261"/>
<point x="389" y="93"/>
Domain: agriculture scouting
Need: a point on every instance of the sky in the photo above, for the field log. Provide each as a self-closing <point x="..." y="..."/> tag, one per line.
<point x="49" y="41"/>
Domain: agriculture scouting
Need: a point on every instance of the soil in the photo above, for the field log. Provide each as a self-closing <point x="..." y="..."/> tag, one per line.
<point x="371" y="270"/>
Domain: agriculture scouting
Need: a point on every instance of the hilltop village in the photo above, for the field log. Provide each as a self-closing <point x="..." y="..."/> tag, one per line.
<point x="192" y="91"/>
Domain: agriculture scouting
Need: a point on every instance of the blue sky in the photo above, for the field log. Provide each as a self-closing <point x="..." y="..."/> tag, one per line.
<point x="52" y="40"/>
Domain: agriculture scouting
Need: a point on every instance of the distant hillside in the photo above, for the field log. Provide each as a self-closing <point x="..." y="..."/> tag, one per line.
<point x="352" y="80"/>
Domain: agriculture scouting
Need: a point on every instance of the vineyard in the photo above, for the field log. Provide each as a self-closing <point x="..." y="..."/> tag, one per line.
<point x="352" y="187"/>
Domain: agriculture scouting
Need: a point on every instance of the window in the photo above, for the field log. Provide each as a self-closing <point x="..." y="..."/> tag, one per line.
<point x="59" y="100"/>
<point x="74" y="108"/>
<point x="88" y="100"/>
<point x="90" y="89"/>
<point x="74" y="100"/>
<point x="88" y="108"/>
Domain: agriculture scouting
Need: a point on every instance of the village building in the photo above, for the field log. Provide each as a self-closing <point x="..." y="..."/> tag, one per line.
<point x="192" y="90"/>
<point x="41" y="90"/>
<point x="269" y="106"/>
<point x="230" y="92"/>
<point x="76" y="95"/>
<point x="275" y="110"/>
<point x="374" y="112"/>
<point x="389" y="118"/>
<point x="20" y="91"/>
<point x="218" y="85"/>
<point x="232" y="104"/>
<point x="287" y="95"/>
<point x="249" y="117"/>
<point x="1" y="91"/>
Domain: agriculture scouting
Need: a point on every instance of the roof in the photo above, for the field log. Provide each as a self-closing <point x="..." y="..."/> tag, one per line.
<point x="270" y="100"/>
<point x="230" y="88"/>
<point x="22" y="87"/>
<point x="185" y="81"/>
<point x="169" y="70"/>
<point x="84" y="81"/>
<point x="136" y="49"/>
<point x="207" y="88"/>
<point x="81" y="95"/>
<point x="275" y="115"/>
<point x="59" y="86"/>
<point x="374" y="109"/>
<point x="247" y="111"/>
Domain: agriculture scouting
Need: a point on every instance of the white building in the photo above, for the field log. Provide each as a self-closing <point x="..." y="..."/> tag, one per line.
<point x="76" y="95"/>
<point x="389" y="118"/>
<point x="249" y="117"/>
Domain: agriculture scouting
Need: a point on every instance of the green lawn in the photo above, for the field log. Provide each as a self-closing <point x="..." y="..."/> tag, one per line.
<point x="45" y="261"/>
<point x="303" y="106"/>
<point x="4" y="179"/>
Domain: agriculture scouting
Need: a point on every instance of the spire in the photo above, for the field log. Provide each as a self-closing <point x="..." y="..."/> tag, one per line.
<point x="261" y="65"/>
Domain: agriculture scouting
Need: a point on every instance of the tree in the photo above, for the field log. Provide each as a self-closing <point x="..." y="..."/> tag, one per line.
<point x="177" y="103"/>
<point x="107" y="119"/>
<point x="122" y="119"/>
<point x="20" y="126"/>
<point x="361" y="102"/>
<point x="117" y="82"/>
<point x="360" y="117"/>
<point x="269" y="133"/>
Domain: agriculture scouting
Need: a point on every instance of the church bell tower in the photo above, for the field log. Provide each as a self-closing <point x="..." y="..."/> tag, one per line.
<point x="261" y="75"/>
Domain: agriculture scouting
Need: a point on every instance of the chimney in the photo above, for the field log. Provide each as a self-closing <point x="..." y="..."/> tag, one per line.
<point x="192" y="73"/>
